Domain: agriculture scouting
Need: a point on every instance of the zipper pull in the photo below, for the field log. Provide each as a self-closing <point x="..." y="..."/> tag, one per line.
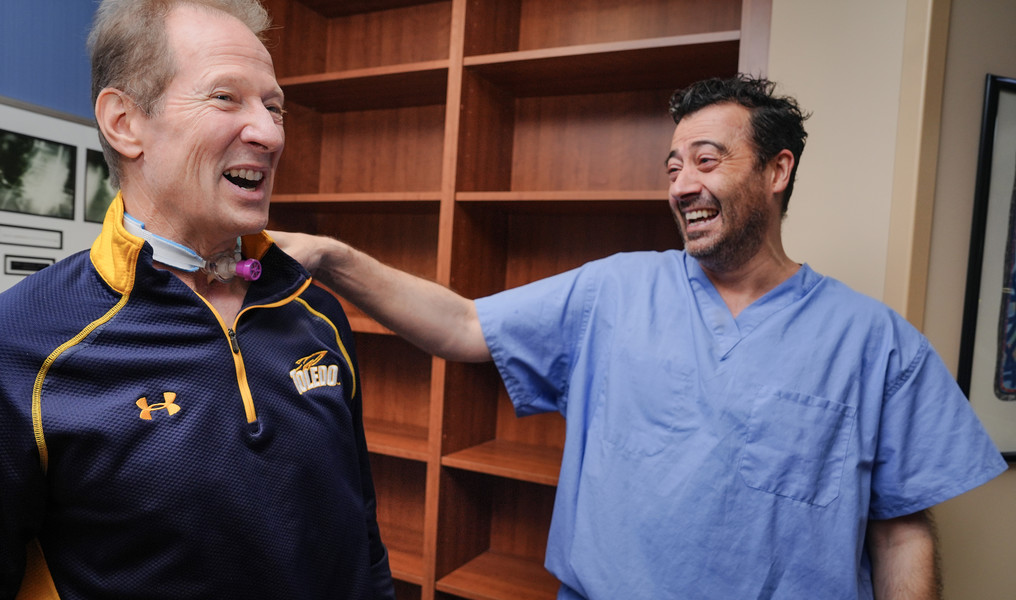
<point x="232" y="341"/>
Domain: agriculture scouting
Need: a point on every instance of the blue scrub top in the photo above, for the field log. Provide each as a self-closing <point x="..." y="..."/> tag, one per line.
<point x="714" y="457"/>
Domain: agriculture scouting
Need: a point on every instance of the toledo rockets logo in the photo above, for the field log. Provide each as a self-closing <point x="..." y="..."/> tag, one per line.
<point x="310" y="374"/>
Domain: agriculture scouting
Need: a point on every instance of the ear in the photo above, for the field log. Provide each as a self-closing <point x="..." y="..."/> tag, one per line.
<point x="117" y="117"/>
<point x="782" y="165"/>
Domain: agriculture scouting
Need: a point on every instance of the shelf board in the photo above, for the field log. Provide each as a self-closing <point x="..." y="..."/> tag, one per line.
<point x="331" y="8"/>
<point x="365" y="198"/>
<point x="652" y="63"/>
<point x="492" y="576"/>
<point x="396" y="439"/>
<point x="360" y="202"/>
<point x="406" y="566"/>
<point x="405" y="552"/>
<point x="584" y="201"/>
<point x="415" y="201"/>
<point x="361" y="323"/>
<point x="392" y="86"/>
<point x="564" y="196"/>
<point x="524" y="462"/>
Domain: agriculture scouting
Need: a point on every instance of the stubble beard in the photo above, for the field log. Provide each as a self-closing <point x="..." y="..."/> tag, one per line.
<point x="741" y="238"/>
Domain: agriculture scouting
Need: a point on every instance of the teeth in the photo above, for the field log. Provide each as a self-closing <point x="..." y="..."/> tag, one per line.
<point x="247" y="174"/>
<point x="696" y="215"/>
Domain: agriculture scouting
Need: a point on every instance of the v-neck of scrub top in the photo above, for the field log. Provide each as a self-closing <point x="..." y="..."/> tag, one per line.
<point x="728" y="331"/>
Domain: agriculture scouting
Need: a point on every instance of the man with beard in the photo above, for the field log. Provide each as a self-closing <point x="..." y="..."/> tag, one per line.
<point x="738" y="426"/>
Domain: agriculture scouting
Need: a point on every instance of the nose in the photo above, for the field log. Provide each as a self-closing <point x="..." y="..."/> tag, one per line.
<point x="685" y="182"/>
<point x="264" y="129"/>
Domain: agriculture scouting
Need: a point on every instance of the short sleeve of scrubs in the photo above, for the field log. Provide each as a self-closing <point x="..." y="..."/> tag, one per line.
<point x="531" y="332"/>
<point x="931" y="445"/>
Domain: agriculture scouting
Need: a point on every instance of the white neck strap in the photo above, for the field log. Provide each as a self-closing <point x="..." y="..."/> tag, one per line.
<point x="223" y="266"/>
<point x="165" y="251"/>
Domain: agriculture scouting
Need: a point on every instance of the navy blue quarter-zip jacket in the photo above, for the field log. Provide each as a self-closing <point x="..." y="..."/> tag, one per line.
<point x="150" y="450"/>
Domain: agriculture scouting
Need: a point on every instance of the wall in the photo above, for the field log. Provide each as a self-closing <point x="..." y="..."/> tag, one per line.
<point x="977" y="529"/>
<point x="43" y="60"/>
<point x="841" y="60"/>
<point x="845" y="62"/>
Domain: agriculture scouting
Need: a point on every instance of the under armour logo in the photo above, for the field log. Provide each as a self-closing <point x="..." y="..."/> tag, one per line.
<point x="167" y="404"/>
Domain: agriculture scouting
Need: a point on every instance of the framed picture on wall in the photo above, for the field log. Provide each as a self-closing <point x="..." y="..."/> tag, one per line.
<point x="987" y="369"/>
<point x="36" y="175"/>
<point x="54" y="188"/>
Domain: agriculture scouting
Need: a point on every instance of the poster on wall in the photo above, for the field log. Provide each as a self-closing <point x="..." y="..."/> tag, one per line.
<point x="54" y="188"/>
<point x="987" y="370"/>
<point x="36" y="176"/>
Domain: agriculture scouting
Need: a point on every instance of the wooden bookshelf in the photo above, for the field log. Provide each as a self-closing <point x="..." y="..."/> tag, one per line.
<point x="482" y="144"/>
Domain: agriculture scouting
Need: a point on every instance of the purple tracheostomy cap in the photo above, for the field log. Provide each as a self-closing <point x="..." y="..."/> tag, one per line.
<point x="249" y="269"/>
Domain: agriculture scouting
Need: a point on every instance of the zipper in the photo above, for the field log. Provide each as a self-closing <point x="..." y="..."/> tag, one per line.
<point x="234" y="347"/>
<point x="233" y="344"/>
<point x="241" y="376"/>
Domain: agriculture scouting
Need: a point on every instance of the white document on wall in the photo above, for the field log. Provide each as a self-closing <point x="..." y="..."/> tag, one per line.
<point x="54" y="188"/>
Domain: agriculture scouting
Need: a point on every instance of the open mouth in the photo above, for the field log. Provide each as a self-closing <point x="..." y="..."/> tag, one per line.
<point x="247" y="179"/>
<point x="700" y="216"/>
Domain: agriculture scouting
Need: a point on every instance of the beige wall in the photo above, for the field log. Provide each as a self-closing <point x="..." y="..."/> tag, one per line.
<point x="847" y="62"/>
<point x="978" y="530"/>
<point x="841" y="60"/>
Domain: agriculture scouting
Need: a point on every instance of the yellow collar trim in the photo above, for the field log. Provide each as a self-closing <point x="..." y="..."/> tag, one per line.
<point x="115" y="252"/>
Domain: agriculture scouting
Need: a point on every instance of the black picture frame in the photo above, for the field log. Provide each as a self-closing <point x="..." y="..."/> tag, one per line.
<point x="99" y="193"/>
<point x="987" y="367"/>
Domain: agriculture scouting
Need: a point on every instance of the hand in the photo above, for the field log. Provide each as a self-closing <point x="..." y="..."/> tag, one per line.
<point x="306" y="249"/>
<point x="427" y="314"/>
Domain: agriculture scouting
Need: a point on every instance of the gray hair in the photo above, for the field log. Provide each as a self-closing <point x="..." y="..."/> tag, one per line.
<point x="130" y="51"/>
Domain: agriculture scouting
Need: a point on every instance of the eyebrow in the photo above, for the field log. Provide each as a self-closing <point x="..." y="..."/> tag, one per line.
<point x="238" y="80"/>
<point x="696" y="144"/>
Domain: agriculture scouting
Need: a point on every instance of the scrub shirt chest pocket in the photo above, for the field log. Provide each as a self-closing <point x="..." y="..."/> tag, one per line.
<point x="796" y="445"/>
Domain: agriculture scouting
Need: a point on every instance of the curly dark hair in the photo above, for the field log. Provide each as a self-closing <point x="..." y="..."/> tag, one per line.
<point x="777" y="121"/>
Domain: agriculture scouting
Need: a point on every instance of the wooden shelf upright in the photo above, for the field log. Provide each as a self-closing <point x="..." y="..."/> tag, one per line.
<point x="483" y="144"/>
